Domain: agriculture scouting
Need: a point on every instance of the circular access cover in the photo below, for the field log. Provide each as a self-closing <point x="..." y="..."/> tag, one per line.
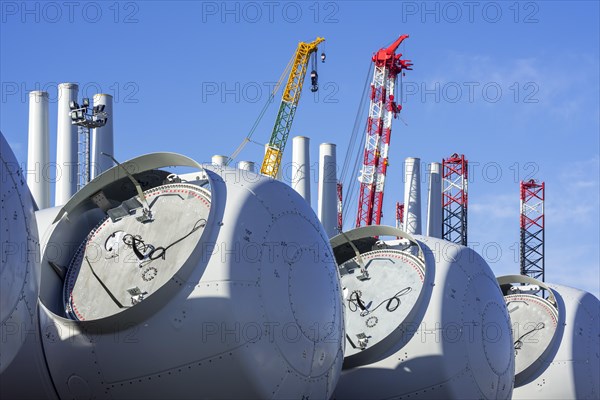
<point x="534" y="322"/>
<point x="379" y="296"/>
<point x="126" y="259"/>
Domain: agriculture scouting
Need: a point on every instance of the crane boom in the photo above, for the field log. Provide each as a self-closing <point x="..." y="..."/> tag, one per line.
<point x="287" y="109"/>
<point x="382" y="109"/>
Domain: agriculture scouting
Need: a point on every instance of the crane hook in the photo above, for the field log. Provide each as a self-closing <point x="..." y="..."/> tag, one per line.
<point x="314" y="81"/>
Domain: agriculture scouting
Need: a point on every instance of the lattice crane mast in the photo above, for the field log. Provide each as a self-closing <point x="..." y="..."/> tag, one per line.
<point x="382" y="109"/>
<point x="399" y="215"/>
<point x="455" y="198"/>
<point x="289" y="103"/>
<point x="532" y="229"/>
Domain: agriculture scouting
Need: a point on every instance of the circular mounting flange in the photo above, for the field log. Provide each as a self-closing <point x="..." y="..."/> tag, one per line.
<point x="534" y="321"/>
<point x="126" y="259"/>
<point x="379" y="295"/>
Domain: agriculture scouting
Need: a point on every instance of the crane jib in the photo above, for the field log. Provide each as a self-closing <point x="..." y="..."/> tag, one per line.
<point x="287" y="109"/>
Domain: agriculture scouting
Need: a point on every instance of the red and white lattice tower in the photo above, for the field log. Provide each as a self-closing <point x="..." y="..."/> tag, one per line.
<point x="383" y="108"/>
<point x="399" y="215"/>
<point x="454" y="199"/>
<point x="532" y="229"/>
<point x="340" y="219"/>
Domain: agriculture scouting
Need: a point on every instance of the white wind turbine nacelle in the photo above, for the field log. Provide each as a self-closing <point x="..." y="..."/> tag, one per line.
<point x="214" y="284"/>
<point x="424" y="318"/>
<point x="20" y="268"/>
<point x="23" y="372"/>
<point x="556" y="339"/>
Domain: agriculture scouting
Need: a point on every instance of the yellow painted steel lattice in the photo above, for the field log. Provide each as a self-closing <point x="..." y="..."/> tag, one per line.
<point x="287" y="109"/>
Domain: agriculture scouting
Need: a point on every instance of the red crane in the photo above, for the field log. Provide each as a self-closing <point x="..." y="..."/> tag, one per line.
<point x="382" y="109"/>
<point x="399" y="215"/>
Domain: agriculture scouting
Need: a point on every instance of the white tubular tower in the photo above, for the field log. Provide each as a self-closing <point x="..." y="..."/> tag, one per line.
<point x="38" y="149"/>
<point x="103" y="137"/>
<point x="219" y="160"/>
<point x="327" y="199"/>
<point x="246" y="166"/>
<point x="412" y="196"/>
<point x="66" y="145"/>
<point x="301" y="166"/>
<point x="434" y="204"/>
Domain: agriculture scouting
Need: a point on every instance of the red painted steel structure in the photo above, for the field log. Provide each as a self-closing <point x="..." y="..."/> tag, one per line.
<point x="399" y="215"/>
<point x="455" y="199"/>
<point x="383" y="108"/>
<point x="532" y="229"/>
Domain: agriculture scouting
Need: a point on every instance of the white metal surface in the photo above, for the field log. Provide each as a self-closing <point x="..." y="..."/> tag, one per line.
<point x="434" y="201"/>
<point x="103" y="137"/>
<point x="560" y="358"/>
<point x="21" y="355"/>
<point x="412" y="195"/>
<point x="327" y="191"/>
<point x="252" y="309"/>
<point x="375" y="304"/>
<point x="66" y="145"/>
<point x="19" y="270"/>
<point x="301" y="166"/>
<point x="38" y="149"/>
<point x="246" y="166"/>
<point x="179" y="210"/>
<point x="455" y="342"/>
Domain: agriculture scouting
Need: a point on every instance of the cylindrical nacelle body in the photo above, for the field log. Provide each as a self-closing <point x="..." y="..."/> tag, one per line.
<point x="221" y="284"/>
<point x="21" y="354"/>
<point x="557" y="339"/>
<point x="434" y="201"/>
<point x="66" y="145"/>
<point x="301" y="166"/>
<point x="412" y="196"/>
<point x="327" y="199"/>
<point x="38" y="149"/>
<point x="103" y="137"/>
<point x="425" y="319"/>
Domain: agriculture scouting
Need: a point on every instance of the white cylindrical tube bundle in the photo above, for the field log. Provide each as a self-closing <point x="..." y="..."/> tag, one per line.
<point x="66" y="145"/>
<point x="434" y="204"/>
<point x="412" y="196"/>
<point x="103" y="137"/>
<point x="38" y="149"/>
<point x="246" y="165"/>
<point x="327" y="196"/>
<point x="301" y="166"/>
<point x="219" y="160"/>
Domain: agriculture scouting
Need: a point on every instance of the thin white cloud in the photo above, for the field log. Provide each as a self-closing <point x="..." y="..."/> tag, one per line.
<point x="576" y="199"/>
<point x="562" y="95"/>
<point x="496" y="206"/>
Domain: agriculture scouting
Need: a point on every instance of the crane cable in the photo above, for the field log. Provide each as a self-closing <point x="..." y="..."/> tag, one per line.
<point x="350" y="152"/>
<point x="350" y="168"/>
<point x="248" y="137"/>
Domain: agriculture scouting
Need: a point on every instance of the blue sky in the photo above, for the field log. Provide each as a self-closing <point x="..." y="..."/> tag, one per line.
<point x="512" y="85"/>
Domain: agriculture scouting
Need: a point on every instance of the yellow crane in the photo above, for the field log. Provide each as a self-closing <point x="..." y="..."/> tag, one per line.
<point x="289" y="103"/>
